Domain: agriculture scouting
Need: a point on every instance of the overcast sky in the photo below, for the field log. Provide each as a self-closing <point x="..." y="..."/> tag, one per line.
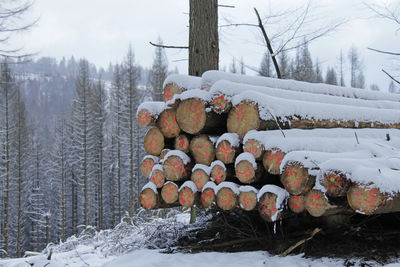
<point x="101" y="31"/>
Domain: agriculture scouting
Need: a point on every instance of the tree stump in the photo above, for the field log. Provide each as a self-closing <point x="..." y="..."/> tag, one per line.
<point x="202" y="150"/>
<point x="154" y="142"/>
<point x="248" y="199"/>
<point x="225" y="150"/>
<point x="199" y="177"/>
<point x="336" y="185"/>
<point x="187" y="194"/>
<point x="296" y="179"/>
<point x="226" y="197"/>
<point x="169" y="192"/>
<point x="147" y="164"/>
<point x="255" y="148"/>
<point x="176" y="166"/>
<point x="167" y="123"/>
<point x="149" y="197"/>
<point x="272" y="160"/>
<point x="369" y="200"/>
<point x="297" y="204"/>
<point x="157" y="176"/>
<point x="182" y="143"/>
<point x="243" y="118"/>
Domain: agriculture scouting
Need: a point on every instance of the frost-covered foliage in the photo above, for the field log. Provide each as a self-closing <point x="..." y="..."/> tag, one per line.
<point x="157" y="229"/>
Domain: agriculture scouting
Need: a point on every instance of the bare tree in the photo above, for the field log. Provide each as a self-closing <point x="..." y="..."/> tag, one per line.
<point x="13" y="20"/>
<point x="388" y="10"/>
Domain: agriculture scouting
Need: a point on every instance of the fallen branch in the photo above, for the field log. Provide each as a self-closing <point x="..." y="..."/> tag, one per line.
<point x="290" y="249"/>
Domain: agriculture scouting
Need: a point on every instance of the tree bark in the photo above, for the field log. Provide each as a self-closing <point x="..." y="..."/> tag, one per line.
<point x="203" y="36"/>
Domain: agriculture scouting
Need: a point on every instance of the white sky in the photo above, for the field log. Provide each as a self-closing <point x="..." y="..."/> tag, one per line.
<point x="101" y="30"/>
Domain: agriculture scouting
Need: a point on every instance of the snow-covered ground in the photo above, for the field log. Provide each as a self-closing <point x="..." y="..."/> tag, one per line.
<point x="89" y="256"/>
<point x="125" y="246"/>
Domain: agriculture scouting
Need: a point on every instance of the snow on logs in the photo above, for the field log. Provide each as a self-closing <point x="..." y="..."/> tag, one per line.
<point x="246" y="168"/>
<point x="149" y="196"/>
<point x="178" y="83"/>
<point x="154" y="141"/>
<point x="200" y="175"/>
<point x="255" y="111"/>
<point x="188" y="194"/>
<point x="175" y="165"/>
<point x="223" y="91"/>
<point x="227" y="195"/>
<point x="227" y="147"/>
<point x="247" y="197"/>
<point x="157" y="176"/>
<point x="194" y="116"/>
<point x="212" y="76"/>
<point x="147" y="164"/>
<point x="208" y="194"/>
<point x="272" y="201"/>
<point x="219" y="172"/>
<point x="170" y="192"/>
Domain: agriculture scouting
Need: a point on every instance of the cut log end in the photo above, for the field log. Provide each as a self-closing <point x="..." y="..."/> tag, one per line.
<point x="187" y="197"/>
<point x="366" y="200"/>
<point x="221" y="104"/>
<point x="169" y="193"/>
<point x="226" y="199"/>
<point x="243" y="118"/>
<point x="167" y="123"/>
<point x="154" y="142"/>
<point x="145" y="118"/>
<point x="207" y="197"/>
<point x="157" y="177"/>
<point x="254" y="147"/>
<point x="182" y="143"/>
<point x="296" y="204"/>
<point x="272" y="161"/>
<point x="191" y="115"/>
<point x="225" y="152"/>
<point x="248" y="200"/>
<point x="170" y="90"/>
<point x="335" y="184"/>
<point x="148" y="199"/>
<point x="147" y="166"/>
<point x="267" y="207"/>
<point x="296" y="180"/>
<point x="245" y="172"/>
<point x="202" y="150"/>
<point x="174" y="169"/>
<point x="316" y="203"/>
<point x="218" y="174"/>
<point x="199" y="178"/>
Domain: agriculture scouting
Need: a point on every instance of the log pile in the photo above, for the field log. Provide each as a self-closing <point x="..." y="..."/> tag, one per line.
<point x="277" y="146"/>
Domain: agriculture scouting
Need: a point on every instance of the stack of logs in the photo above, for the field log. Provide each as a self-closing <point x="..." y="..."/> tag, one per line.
<point x="203" y="151"/>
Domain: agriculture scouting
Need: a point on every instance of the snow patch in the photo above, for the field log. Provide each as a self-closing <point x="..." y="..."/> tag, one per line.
<point x="153" y="107"/>
<point x="184" y="81"/>
<point x="232" y="138"/>
<point x="151" y="186"/>
<point x="202" y="167"/>
<point x="248" y="188"/>
<point x="232" y="186"/>
<point x="246" y="156"/>
<point x="185" y="158"/>
<point x="192" y="186"/>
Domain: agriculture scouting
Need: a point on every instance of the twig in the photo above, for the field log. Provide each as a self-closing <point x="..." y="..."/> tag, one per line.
<point x="169" y="46"/>
<point x="277" y="123"/>
<point x="290" y="249"/>
<point x="226" y="6"/>
<point x="79" y="255"/>
<point x="356" y="137"/>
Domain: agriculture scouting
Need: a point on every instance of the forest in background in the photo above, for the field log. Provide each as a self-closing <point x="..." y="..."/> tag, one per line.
<point x="71" y="146"/>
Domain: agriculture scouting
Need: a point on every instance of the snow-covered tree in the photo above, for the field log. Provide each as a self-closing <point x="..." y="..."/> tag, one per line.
<point x="158" y="72"/>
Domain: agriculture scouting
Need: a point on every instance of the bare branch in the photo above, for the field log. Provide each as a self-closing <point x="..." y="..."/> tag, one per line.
<point x="390" y="76"/>
<point x="268" y="42"/>
<point x="384" y="52"/>
<point x="169" y="46"/>
<point x="226" y="6"/>
<point x="238" y="24"/>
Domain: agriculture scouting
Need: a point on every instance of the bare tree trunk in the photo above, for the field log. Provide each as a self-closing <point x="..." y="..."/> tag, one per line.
<point x="203" y="36"/>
